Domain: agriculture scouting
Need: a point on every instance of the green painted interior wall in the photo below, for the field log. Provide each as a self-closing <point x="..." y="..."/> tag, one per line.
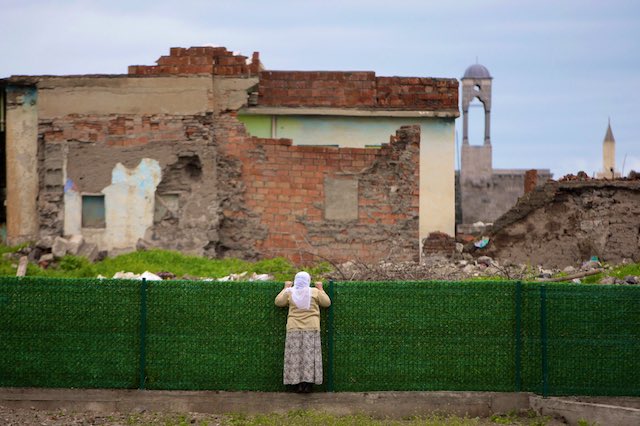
<point x="257" y="125"/>
<point x="338" y="130"/>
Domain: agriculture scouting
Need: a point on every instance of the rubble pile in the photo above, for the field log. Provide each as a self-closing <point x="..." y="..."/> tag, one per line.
<point x="48" y="250"/>
<point x="581" y="176"/>
<point x="465" y="267"/>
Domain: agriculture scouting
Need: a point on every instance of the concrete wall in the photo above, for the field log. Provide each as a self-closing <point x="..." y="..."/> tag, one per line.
<point x="61" y="96"/>
<point x="22" y="163"/>
<point x="437" y="178"/>
<point x="231" y="93"/>
<point x="489" y="198"/>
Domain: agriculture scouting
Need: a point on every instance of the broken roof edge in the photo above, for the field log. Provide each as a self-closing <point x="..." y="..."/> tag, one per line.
<point x="31" y="79"/>
<point x="351" y="112"/>
<point x="354" y="73"/>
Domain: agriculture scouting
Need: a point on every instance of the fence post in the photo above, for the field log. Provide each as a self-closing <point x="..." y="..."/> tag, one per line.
<point x="143" y="332"/>
<point x="330" y="347"/>
<point x="543" y="340"/>
<point x="518" y="337"/>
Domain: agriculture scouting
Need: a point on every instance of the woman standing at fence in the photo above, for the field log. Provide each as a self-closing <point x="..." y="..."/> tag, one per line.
<point x="302" y="352"/>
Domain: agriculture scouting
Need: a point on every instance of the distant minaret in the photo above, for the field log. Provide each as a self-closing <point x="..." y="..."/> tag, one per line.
<point x="608" y="156"/>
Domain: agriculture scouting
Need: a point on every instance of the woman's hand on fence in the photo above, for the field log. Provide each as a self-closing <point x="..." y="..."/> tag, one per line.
<point x="319" y="285"/>
<point x="288" y="284"/>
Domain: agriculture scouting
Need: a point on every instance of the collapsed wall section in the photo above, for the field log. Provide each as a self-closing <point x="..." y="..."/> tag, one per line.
<point x="81" y="154"/>
<point x="566" y="223"/>
<point x="309" y="203"/>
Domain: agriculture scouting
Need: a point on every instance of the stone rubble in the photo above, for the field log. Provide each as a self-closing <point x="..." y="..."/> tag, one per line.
<point x="464" y="267"/>
<point x="454" y="267"/>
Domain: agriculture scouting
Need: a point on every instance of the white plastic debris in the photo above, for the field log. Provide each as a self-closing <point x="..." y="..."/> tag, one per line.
<point x="243" y="277"/>
<point x="150" y="276"/>
<point x="122" y="275"/>
<point x="260" y="277"/>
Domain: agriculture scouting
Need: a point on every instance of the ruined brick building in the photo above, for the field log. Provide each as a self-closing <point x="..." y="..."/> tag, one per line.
<point x="209" y="153"/>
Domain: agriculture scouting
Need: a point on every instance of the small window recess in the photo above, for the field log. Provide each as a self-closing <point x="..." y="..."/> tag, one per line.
<point x="166" y="206"/>
<point x="93" y="211"/>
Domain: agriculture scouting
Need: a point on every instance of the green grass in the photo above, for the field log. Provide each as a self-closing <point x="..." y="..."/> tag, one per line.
<point x="619" y="271"/>
<point x="312" y="418"/>
<point x="162" y="260"/>
<point x="316" y="418"/>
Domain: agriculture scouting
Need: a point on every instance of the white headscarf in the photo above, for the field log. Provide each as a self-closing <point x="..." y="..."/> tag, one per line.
<point x="301" y="292"/>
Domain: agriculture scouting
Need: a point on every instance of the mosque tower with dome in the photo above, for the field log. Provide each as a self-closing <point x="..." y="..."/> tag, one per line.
<point x="484" y="193"/>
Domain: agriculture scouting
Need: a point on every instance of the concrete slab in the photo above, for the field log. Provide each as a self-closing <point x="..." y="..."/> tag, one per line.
<point x="377" y="404"/>
<point x="393" y="405"/>
<point x="595" y="413"/>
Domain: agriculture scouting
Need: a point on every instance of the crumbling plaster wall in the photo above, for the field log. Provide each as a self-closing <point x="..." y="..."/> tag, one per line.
<point x="21" y="161"/>
<point x="89" y="125"/>
<point x="564" y="223"/>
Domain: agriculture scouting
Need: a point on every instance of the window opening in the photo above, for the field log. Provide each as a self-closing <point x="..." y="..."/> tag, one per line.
<point x="93" y="211"/>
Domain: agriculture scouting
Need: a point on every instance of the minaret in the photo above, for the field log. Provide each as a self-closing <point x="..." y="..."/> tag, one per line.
<point x="476" y="163"/>
<point x="608" y="156"/>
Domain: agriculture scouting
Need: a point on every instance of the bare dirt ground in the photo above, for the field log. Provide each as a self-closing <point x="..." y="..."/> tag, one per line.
<point x="28" y="417"/>
<point x="21" y="417"/>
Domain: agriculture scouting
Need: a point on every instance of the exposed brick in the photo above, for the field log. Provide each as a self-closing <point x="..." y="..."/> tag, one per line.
<point x="355" y="90"/>
<point x="200" y="60"/>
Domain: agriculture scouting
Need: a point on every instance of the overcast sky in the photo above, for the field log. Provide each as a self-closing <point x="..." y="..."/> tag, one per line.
<point x="561" y="68"/>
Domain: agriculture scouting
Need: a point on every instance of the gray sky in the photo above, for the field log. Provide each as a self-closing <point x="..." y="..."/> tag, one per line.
<point x="561" y="68"/>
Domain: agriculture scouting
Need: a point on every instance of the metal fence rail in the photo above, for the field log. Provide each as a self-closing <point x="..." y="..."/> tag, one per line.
<point x="551" y="339"/>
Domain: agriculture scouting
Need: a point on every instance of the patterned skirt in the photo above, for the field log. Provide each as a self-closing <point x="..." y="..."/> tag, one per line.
<point x="302" y="357"/>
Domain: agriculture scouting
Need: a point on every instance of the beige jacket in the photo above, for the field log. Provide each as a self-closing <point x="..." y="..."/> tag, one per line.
<point x="304" y="319"/>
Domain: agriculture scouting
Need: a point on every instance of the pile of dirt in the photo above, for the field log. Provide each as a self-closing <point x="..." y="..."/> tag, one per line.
<point x="466" y="267"/>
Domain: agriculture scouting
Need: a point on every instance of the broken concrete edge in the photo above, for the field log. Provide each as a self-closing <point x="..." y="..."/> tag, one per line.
<point x="387" y="404"/>
<point x="376" y="404"/>
<point x="578" y="412"/>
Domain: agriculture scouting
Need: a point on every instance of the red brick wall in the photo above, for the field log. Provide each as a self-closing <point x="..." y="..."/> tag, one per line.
<point x="282" y="196"/>
<point x="317" y="88"/>
<point x="428" y="94"/>
<point x="200" y="60"/>
<point x="122" y="130"/>
<point x="355" y="90"/>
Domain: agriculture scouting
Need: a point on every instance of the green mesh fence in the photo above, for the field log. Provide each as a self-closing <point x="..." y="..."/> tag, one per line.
<point x="551" y="339"/>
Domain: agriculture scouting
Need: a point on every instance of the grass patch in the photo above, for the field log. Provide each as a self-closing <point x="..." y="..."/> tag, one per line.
<point x="619" y="271"/>
<point x="316" y="418"/>
<point x="161" y="260"/>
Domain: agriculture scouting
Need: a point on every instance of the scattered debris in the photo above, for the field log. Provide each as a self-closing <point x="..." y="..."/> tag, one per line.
<point x="22" y="267"/>
<point x="571" y="277"/>
<point x="149" y="276"/>
<point x="242" y="277"/>
<point x="482" y="243"/>
<point x="581" y="176"/>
